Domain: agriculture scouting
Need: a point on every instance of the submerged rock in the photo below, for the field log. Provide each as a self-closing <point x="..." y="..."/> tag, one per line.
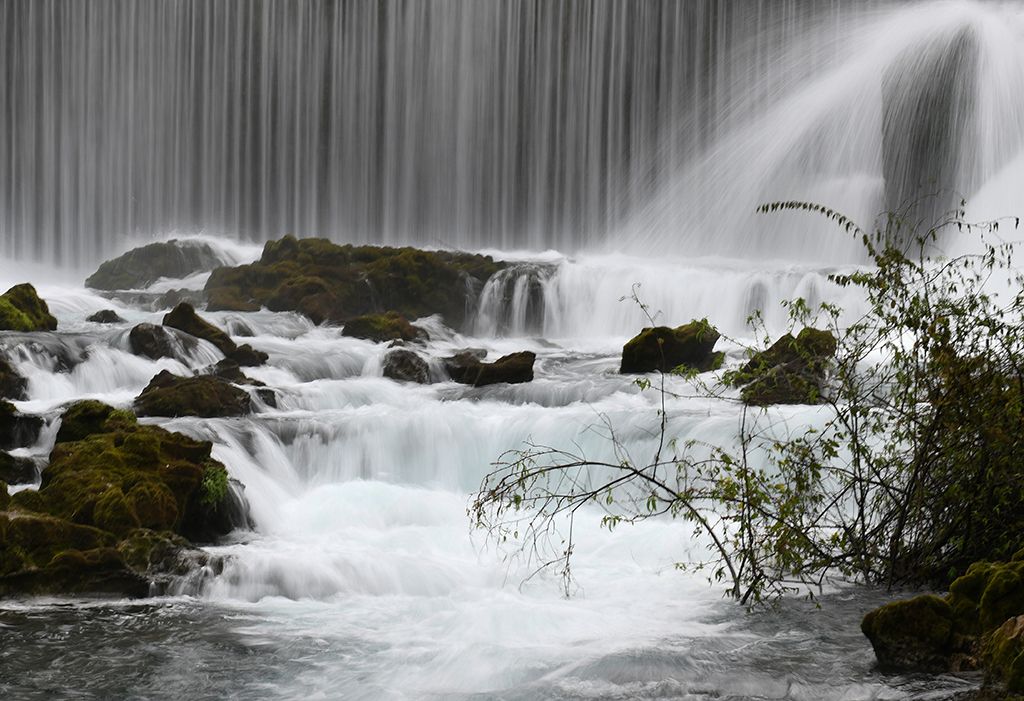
<point x="792" y="371"/>
<point x="105" y="316"/>
<point x="141" y="267"/>
<point x="114" y="507"/>
<point x="466" y="368"/>
<point x="690" y="346"/>
<point x="21" y="309"/>
<point x="207" y="396"/>
<point x="383" y="327"/>
<point x="331" y="283"/>
<point x="406" y="366"/>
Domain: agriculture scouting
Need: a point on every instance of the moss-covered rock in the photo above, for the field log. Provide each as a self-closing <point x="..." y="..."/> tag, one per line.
<point x="105" y="316"/>
<point x="466" y="368"/>
<point x="84" y="418"/>
<point x="331" y="283"/>
<point x="390" y="326"/>
<point x="204" y="395"/>
<point x="791" y="371"/>
<point x="141" y="267"/>
<point x="405" y="366"/>
<point x="12" y="384"/>
<point x="21" y="309"/>
<point x="1003" y="655"/>
<point x="184" y="318"/>
<point x="917" y="634"/>
<point x="114" y="507"/>
<point x="662" y="348"/>
<point x="17" y="430"/>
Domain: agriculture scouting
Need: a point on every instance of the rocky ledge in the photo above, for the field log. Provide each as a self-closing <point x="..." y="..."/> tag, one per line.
<point x="328" y="282"/>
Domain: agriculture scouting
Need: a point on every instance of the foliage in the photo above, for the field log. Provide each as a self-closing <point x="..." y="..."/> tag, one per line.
<point x="909" y="474"/>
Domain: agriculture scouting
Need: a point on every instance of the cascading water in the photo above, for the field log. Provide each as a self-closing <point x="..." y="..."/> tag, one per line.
<point x="554" y="134"/>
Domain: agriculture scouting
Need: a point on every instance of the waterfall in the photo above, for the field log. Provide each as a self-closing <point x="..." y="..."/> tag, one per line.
<point x="526" y="124"/>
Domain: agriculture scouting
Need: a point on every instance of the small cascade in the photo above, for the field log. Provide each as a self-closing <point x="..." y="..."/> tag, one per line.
<point x="512" y="302"/>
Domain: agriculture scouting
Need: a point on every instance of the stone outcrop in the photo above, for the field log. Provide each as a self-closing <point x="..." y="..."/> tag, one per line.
<point x="661" y="348"/>
<point x="331" y="283"/>
<point x="792" y="371"/>
<point x="21" y="309"/>
<point x="406" y="366"/>
<point x="141" y="267"/>
<point x="468" y="369"/>
<point x="184" y="318"/>
<point x="207" y="396"/>
<point x="380" y="328"/>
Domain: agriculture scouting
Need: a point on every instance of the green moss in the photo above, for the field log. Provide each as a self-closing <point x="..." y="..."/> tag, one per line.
<point x="21" y="309"/>
<point x="5" y="496"/>
<point x="689" y="347"/>
<point x="214" y="488"/>
<point x="153" y="505"/>
<point x="113" y="514"/>
<point x="916" y="634"/>
<point x="332" y="283"/>
<point x="383" y="327"/>
<point x="83" y="419"/>
<point x="205" y="395"/>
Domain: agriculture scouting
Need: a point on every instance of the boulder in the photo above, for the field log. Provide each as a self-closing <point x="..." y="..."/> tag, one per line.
<point x="406" y="366"/>
<point x="114" y="509"/>
<point x="913" y="635"/>
<point x="105" y="316"/>
<point x="84" y="418"/>
<point x="331" y="283"/>
<point x="151" y="341"/>
<point x="466" y="368"/>
<point x="12" y="384"/>
<point x="661" y="348"/>
<point x="141" y="267"/>
<point x="1003" y="656"/>
<point x="383" y="327"/>
<point x="792" y="371"/>
<point x="21" y="309"/>
<point x="17" y="430"/>
<point x="184" y="318"/>
<point x="205" y="395"/>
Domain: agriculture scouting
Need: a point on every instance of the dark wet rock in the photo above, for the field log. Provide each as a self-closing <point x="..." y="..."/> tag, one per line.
<point x="184" y="318"/>
<point x="151" y="341"/>
<point x="17" y="430"/>
<point x="406" y="366"/>
<point x="21" y="309"/>
<point x="466" y="368"/>
<point x="1003" y="656"/>
<point x="114" y="508"/>
<point x="383" y="327"/>
<point x="914" y="635"/>
<point x="792" y="371"/>
<point x="105" y="316"/>
<point x="690" y="346"/>
<point x="84" y="418"/>
<point x="331" y="283"/>
<point x="204" y="395"/>
<point x="14" y="470"/>
<point x="141" y="267"/>
<point x="247" y="356"/>
<point x="12" y="384"/>
<point x="267" y="396"/>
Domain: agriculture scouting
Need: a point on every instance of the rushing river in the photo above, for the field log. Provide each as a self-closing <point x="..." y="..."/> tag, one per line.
<point x="610" y="149"/>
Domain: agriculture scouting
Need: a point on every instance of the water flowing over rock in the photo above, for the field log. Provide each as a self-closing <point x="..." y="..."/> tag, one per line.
<point x="406" y="366"/>
<point x="105" y="316"/>
<point x="514" y="368"/>
<point x="184" y="318"/>
<point x="141" y="267"/>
